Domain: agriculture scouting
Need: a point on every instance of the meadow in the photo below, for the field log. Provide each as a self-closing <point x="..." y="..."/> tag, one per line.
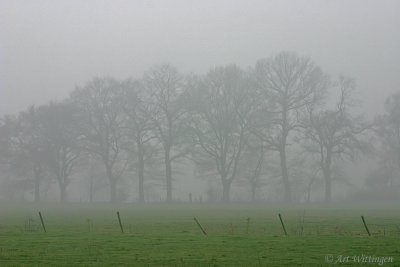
<point x="80" y="234"/>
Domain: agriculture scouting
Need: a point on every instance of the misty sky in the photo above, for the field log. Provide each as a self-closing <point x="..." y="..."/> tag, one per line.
<point x="47" y="47"/>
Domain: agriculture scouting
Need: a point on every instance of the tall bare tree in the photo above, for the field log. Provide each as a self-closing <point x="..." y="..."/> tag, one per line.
<point x="99" y="103"/>
<point x="390" y="129"/>
<point x="220" y="109"/>
<point x="16" y="165"/>
<point x="166" y="88"/>
<point x="27" y="140"/>
<point x="8" y="131"/>
<point x="387" y="128"/>
<point x="139" y="125"/>
<point x="336" y="133"/>
<point x="60" y="132"/>
<point x="286" y="85"/>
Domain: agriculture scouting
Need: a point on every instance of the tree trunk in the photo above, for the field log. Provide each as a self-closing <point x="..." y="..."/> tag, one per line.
<point x="168" y="174"/>
<point x="309" y="187"/>
<point x="226" y="188"/>
<point x="37" y="185"/>
<point x="285" y="175"/>
<point x="63" y="192"/>
<point x="91" y="189"/>
<point x="328" y="184"/>
<point x="327" y="177"/>
<point x="113" y="184"/>
<point x="308" y="194"/>
<point x="253" y="191"/>
<point x="113" y="191"/>
<point x="141" y="172"/>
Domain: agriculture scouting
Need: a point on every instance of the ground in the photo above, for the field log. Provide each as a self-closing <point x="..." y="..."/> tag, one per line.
<point x="81" y="234"/>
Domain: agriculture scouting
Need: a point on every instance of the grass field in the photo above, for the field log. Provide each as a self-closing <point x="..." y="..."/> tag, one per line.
<point x="167" y="235"/>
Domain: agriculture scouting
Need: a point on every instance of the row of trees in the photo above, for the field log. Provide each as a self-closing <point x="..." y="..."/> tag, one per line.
<point x="227" y="122"/>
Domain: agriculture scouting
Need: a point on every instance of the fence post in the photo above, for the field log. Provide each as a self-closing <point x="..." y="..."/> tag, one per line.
<point x="283" y="225"/>
<point x="365" y="225"/>
<point x="201" y="228"/>
<point x="41" y="220"/>
<point x="120" y="223"/>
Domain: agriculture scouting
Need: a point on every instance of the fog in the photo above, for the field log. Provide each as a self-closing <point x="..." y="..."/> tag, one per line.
<point x="48" y="49"/>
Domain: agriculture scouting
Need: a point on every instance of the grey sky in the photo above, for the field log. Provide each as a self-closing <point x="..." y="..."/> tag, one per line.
<point x="46" y="47"/>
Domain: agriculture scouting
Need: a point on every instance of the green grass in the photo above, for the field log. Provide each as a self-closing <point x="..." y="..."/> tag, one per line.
<point x="166" y="235"/>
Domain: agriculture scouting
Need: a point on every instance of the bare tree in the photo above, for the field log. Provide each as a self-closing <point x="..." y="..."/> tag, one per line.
<point x="220" y="108"/>
<point x="7" y="146"/>
<point x="387" y="128"/>
<point x="99" y="103"/>
<point x="25" y="147"/>
<point x="166" y="89"/>
<point x="390" y="125"/>
<point x="139" y="126"/>
<point x="12" y="165"/>
<point x="60" y="132"/>
<point x="336" y="133"/>
<point x="254" y="163"/>
<point x="286" y="85"/>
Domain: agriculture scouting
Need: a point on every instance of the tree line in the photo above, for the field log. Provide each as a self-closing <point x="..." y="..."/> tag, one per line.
<point x="228" y="123"/>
